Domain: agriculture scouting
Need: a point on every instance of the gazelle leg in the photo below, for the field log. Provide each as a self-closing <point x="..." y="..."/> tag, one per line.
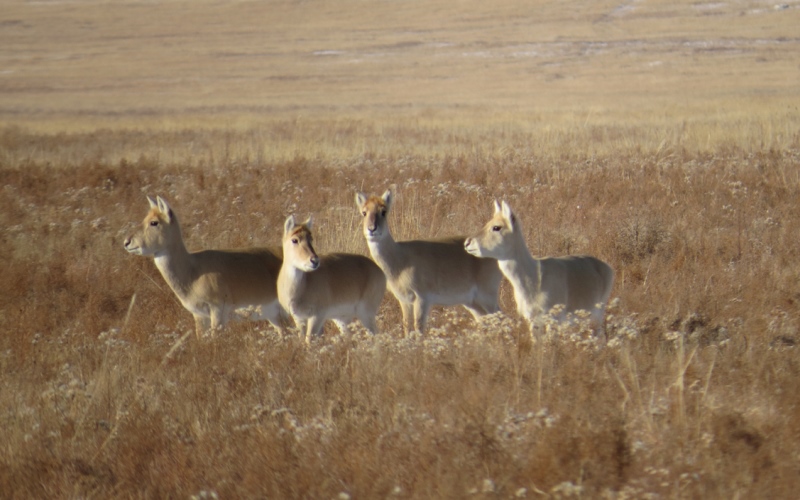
<point x="201" y="325"/>
<point x="314" y="327"/>
<point x="408" y="317"/>
<point x="421" y="309"/>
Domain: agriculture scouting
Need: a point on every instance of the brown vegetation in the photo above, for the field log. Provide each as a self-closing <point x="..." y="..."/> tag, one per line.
<point x="683" y="175"/>
<point x="694" y="396"/>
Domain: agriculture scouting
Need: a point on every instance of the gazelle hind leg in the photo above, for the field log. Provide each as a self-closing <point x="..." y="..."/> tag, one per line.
<point x="368" y="320"/>
<point x="366" y="314"/>
<point x="277" y="316"/>
<point x="598" y="319"/>
<point x="219" y="316"/>
<point x="479" y="308"/>
<point x="488" y="303"/>
<point x="202" y="324"/>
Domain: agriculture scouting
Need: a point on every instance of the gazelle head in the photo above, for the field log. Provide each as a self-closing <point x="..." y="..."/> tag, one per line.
<point x="159" y="230"/>
<point x="495" y="240"/>
<point x="374" y="210"/>
<point x="298" y="249"/>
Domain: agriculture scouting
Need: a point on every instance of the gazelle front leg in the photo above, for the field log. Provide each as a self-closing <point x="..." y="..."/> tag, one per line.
<point x="300" y="326"/>
<point x="408" y="317"/>
<point x="314" y="327"/>
<point x="421" y="309"/>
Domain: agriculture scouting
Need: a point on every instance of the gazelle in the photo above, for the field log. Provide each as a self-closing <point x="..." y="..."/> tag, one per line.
<point x="576" y="282"/>
<point x="338" y="286"/>
<point x="211" y="284"/>
<point x="424" y="273"/>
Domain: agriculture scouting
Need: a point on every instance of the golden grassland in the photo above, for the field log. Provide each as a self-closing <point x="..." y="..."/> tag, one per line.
<point x="661" y="137"/>
<point x="699" y="73"/>
<point x="694" y="395"/>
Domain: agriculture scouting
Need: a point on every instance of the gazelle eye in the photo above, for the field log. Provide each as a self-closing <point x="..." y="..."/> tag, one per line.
<point x="364" y="213"/>
<point x="294" y="240"/>
<point x="383" y="213"/>
<point x="496" y="228"/>
<point x="154" y="223"/>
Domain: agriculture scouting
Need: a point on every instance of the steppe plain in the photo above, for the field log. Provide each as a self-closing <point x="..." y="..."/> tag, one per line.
<point x="662" y="137"/>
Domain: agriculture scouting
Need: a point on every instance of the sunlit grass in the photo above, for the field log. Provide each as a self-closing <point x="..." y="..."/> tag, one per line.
<point x="349" y="140"/>
<point x="690" y="393"/>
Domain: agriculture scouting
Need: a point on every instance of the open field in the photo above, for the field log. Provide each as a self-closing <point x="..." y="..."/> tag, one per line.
<point x="661" y="137"/>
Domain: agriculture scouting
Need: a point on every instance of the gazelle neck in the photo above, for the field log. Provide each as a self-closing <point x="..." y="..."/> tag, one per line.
<point x="384" y="251"/>
<point x="292" y="283"/>
<point x="176" y="266"/>
<point x="520" y="264"/>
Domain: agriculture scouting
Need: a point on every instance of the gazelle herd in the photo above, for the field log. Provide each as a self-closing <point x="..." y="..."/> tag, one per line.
<point x="293" y="281"/>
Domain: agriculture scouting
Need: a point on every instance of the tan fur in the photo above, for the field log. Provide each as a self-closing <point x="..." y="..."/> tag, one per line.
<point x="211" y="284"/>
<point x="424" y="273"/>
<point x="576" y="282"/>
<point x="338" y="286"/>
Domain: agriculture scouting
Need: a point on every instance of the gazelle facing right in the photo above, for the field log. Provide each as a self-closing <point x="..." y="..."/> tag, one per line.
<point x="337" y="286"/>
<point x="576" y="282"/>
<point x="423" y="273"/>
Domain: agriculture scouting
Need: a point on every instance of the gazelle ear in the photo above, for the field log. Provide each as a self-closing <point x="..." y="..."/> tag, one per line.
<point x="153" y="203"/>
<point x="164" y="207"/>
<point x="309" y="222"/>
<point x="388" y="196"/>
<point x="288" y="225"/>
<point x="497" y="208"/>
<point x="361" y="198"/>
<point x="508" y="214"/>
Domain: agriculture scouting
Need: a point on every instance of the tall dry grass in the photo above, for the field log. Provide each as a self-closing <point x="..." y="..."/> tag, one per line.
<point x="694" y="395"/>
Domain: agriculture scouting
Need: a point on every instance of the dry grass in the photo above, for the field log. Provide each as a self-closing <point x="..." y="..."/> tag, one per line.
<point x="694" y="396"/>
<point x="671" y="152"/>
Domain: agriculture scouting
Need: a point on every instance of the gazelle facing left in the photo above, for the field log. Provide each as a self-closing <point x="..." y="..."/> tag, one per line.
<point x="576" y="282"/>
<point x="338" y="286"/>
<point x="211" y="284"/>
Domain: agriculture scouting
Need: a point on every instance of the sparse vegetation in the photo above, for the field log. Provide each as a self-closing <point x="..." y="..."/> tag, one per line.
<point x="694" y="205"/>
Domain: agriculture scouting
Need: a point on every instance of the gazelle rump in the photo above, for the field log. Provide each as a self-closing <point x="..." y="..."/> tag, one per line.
<point x="576" y="282"/>
<point x="338" y="286"/>
<point x="211" y="284"/>
<point x="424" y="273"/>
